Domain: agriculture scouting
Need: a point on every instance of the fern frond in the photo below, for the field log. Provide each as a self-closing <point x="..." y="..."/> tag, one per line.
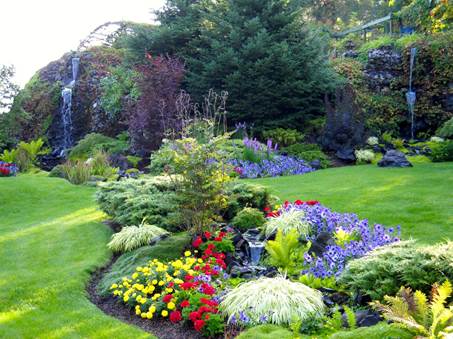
<point x="350" y="316"/>
<point x="281" y="248"/>
<point x="422" y="315"/>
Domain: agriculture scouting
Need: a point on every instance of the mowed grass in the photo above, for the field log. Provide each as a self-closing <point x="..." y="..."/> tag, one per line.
<point x="420" y="199"/>
<point x="50" y="239"/>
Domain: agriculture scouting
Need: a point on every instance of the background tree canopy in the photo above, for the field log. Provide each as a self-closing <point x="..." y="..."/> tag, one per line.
<point x="272" y="63"/>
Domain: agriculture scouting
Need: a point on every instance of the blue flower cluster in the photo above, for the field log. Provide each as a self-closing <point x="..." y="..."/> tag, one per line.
<point x="333" y="260"/>
<point x="8" y="169"/>
<point x="280" y="165"/>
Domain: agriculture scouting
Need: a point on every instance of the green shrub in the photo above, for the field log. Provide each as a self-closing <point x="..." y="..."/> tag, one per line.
<point x="446" y="131"/>
<point x="284" y="136"/>
<point x="9" y="156"/>
<point x="23" y="160"/>
<point x="387" y="268"/>
<point x="132" y="237"/>
<point x="281" y="249"/>
<point x="76" y="172"/>
<point x="267" y="331"/>
<point x="413" y="311"/>
<point x="379" y="331"/>
<point x="57" y="172"/>
<point x="130" y="201"/>
<point x="442" y="151"/>
<point x="165" y="250"/>
<point x="100" y="165"/>
<point x="161" y="159"/>
<point x="87" y="146"/>
<point x="308" y="152"/>
<point x="248" y="218"/>
<point x="288" y="220"/>
<point x="242" y="194"/>
<point x="364" y="156"/>
<point x="202" y="174"/>
<point x="276" y="299"/>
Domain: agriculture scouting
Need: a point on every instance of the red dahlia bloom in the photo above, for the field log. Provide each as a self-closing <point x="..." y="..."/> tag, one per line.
<point x="188" y="277"/>
<point x="198" y="324"/>
<point x="185" y="303"/>
<point x="175" y="317"/>
<point x="167" y="298"/>
<point x="207" y="235"/>
<point x="193" y="316"/>
<point x="207" y="289"/>
<point x="197" y="242"/>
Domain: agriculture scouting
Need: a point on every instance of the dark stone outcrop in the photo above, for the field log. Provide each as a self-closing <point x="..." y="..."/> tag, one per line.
<point x="345" y="122"/>
<point x="394" y="158"/>
<point x="384" y="64"/>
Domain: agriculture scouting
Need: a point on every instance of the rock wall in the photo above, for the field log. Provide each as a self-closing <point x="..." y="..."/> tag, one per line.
<point x="87" y="113"/>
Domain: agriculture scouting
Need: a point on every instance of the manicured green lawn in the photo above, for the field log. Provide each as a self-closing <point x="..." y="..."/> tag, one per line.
<point x="420" y="199"/>
<point x="50" y="238"/>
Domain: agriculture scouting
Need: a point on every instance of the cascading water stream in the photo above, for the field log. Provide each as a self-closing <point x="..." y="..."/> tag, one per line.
<point x="66" y="108"/>
<point x="411" y="97"/>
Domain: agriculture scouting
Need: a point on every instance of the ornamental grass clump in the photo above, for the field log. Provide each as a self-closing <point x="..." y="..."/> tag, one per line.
<point x="287" y="220"/>
<point x="132" y="237"/>
<point x="271" y="300"/>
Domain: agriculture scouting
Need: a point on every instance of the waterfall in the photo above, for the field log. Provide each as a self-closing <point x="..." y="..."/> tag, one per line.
<point x="410" y="95"/>
<point x="66" y="108"/>
<point x="66" y="116"/>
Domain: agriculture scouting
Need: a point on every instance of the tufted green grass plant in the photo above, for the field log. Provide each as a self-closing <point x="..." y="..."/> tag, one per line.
<point x="132" y="237"/>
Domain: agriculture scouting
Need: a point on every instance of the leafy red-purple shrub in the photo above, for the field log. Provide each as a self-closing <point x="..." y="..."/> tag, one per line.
<point x="155" y="110"/>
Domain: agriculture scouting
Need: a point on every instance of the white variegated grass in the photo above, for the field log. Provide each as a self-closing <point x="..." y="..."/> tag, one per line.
<point x="288" y="220"/>
<point x="277" y="299"/>
<point x="132" y="237"/>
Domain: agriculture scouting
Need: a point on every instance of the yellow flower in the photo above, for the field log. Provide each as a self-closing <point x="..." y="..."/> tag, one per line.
<point x="178" y="281"/>
<point x="143" y="300"/>
<point x="143" y="315"/>
<point x="139" y="269"/>
<point x="135" y="275"/>
<point x="154" y="282"/>
<point x="171" y="305"/>
<point x="152" y="309"/>
<point x="164" y="313"/>
<point x="200" y="261"/>
<point x="169" y="290"/>
<point x="125" y="298"/>
<point x="149" y="315"/>
<point x="187" y="253"/>
<point x="161" y="283"/>
<point x="114" y="286"/>
<point x="137" y="311"/>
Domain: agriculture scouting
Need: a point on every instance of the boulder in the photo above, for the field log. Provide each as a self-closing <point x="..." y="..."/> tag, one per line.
<point x="394" y="158"/>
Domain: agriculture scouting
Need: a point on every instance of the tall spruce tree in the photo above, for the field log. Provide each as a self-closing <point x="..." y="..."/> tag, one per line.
<point x="274" y="68"/>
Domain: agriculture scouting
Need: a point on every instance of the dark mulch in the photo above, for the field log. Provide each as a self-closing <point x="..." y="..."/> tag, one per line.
<point x="161" y="328"/>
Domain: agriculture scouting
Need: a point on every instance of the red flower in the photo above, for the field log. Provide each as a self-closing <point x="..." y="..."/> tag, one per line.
<point x="312" y="202"/>
<point x="175" y="317"/>
<point x="207" y="235"/>
<point x="171" y="284"/>
<point x="217" y="239"/>
<point x="298" y="202"/>
<point x="197" y="242"/>
<point x="185" y="303"/>
<point x="206" y="316"/>
<point x="196" y="267"/>
<point x="187" y="285"/>
<point x="188" y="277"/>
<point x="207" y="289"/>
<point x="193" y="316"/>
<point x="167" y="298"/>
<point x="267" y="209"/>
<point x="208" y="302"/>
<point x="198" y="324"/>
<point x="286" y="203"/>
<point x="222" y="234"/>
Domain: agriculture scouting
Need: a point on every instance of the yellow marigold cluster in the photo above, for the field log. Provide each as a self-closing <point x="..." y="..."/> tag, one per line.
<point x="148" y="285"/>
